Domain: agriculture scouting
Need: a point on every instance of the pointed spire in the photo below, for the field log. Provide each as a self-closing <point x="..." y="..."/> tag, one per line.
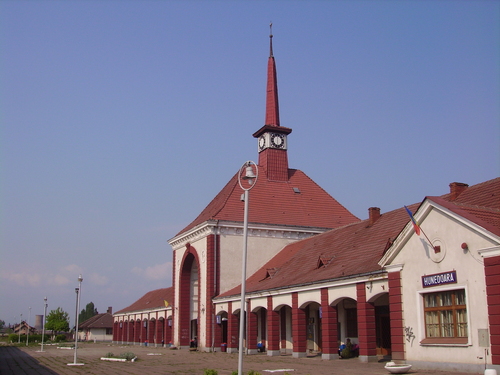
<point x="271" y="40"/>
<point x="272" y="107"/>
<point x="273" y="156"/>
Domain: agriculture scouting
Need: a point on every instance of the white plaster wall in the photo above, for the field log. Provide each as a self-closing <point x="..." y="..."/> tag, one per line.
<point x="255" y="303"/>
<point x="96" y="334"/>
<point x="236" y="306"/>
<point x="417" y="260"/>
<point x="376" y="288"/>
<point x="259" y="251"/>
<point x="282" y="299"/>
<point x="222" y="307"/>
<point x="340" y="292"/>
<point x="309" y="296"/>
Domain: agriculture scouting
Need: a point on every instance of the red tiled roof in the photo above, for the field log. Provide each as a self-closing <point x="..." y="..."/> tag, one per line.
<point x="151" y="300"/>
<point x="485" y="194"/>
<point x="98" y="321"/>
<point x="479" y="204"/>
<point x="276" y="202"/>
<point x="272" y="106"/>
<point x="354" y="249"/>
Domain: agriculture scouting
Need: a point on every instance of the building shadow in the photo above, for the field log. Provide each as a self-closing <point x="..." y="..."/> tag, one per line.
<point x="14" y="361"/>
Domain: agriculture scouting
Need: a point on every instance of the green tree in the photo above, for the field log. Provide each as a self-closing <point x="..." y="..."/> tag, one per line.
<point x="88" y="313"/>
<point x="2" y="324"/>
<point x="57" y="320"/>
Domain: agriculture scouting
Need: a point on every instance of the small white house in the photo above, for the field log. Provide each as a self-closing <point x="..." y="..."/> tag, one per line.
<point x="97" y="328"/>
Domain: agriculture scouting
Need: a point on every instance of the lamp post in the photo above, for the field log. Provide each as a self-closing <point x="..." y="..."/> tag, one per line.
<point x="28" y="334"/>
<point x="20" y="323"/>
<point x="246" y="180"/>
<point x="43" y="323"/>
<point x="78" y="294"/>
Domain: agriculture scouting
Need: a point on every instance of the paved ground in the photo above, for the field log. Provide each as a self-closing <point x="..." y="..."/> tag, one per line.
<point x="156" y="361"/>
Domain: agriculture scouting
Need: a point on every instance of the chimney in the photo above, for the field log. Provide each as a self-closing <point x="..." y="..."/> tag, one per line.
<point x="456" y="188"/>
<point x="373" y="215"/>
<point x="110" y="310"/>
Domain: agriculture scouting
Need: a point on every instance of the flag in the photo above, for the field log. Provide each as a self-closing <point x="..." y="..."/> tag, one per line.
<point x="166" y="303"/>
<point x="414" y="222"/>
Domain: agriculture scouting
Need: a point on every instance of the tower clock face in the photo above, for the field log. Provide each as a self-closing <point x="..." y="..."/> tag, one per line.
<point x="262" y="142"/>
<point x="278" y="140"/>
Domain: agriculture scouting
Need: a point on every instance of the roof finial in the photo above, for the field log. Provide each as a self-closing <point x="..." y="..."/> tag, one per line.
<point x="271" y="39"/>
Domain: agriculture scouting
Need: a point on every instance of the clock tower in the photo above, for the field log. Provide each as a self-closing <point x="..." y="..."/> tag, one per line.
<point x="272" y="138"/>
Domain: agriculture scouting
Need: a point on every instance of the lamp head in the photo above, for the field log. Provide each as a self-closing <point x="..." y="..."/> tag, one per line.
<point x="80" y="278"/>
<point x="249" y="175"/>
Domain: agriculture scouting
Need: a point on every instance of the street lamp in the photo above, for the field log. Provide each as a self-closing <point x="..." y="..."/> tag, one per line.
<point x="78" y="293"/>
<point x="246" y="179"/>
<point x="20" y="323"/>
<point x="43" y="323"/>
<point x="28" y="335"/>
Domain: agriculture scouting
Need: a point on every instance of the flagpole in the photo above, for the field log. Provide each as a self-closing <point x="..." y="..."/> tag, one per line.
<point x="430" y="243"/>
<point x="418" y="228"/>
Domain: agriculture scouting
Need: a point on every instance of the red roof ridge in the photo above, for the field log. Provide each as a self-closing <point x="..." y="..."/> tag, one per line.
<point x="325" y="257"/>
<point x="277" y="203"/>
<point x="104" y="320"/>
<point x="150" y="300"/>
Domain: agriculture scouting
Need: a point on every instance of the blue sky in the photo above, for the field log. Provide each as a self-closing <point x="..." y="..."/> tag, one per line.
<point x="121" y="120"/>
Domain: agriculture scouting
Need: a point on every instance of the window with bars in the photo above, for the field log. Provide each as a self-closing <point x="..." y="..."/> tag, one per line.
<point x="445" y="317"/>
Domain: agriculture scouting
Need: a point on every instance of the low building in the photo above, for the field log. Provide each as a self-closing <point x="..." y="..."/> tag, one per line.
<point x="148" y="321"/>
<point x="97" y="328"/>
<point x="24" y="328"/>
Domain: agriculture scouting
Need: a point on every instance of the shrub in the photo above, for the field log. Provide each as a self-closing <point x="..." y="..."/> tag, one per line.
<point x="109" y="355"/>
<point x="210" y="372"/>
<point x="127" y="355"/>
<point x="13" y="337"/>
<point x="60" y="338"/>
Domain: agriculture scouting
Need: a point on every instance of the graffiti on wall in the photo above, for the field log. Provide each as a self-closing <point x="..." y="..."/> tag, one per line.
<point x="409" y="335"/>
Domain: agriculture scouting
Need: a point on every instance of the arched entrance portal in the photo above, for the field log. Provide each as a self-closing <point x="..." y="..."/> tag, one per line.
<point x="189" y="300"/>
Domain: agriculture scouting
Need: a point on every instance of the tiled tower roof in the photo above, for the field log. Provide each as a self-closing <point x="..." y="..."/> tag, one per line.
<point x="281" y="196"/>
<point x="296" y="202"/>
<point x="272" y="105"/>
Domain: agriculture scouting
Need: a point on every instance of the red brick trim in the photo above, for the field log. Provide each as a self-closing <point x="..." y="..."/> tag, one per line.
<point x="232" y="328"/>
<point x="253" y="328"/>
<point x="212" y="288"/>
<point x="329" y="343"/>
<point x="366" y="323"/>
<point x="175" y="292"/>
<point x="273" y="326"/>
<point x="396" y="314"/>
<point x="190" y="256"/>
<point x="492" y="276"/>
<point x="299" y="326"/>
